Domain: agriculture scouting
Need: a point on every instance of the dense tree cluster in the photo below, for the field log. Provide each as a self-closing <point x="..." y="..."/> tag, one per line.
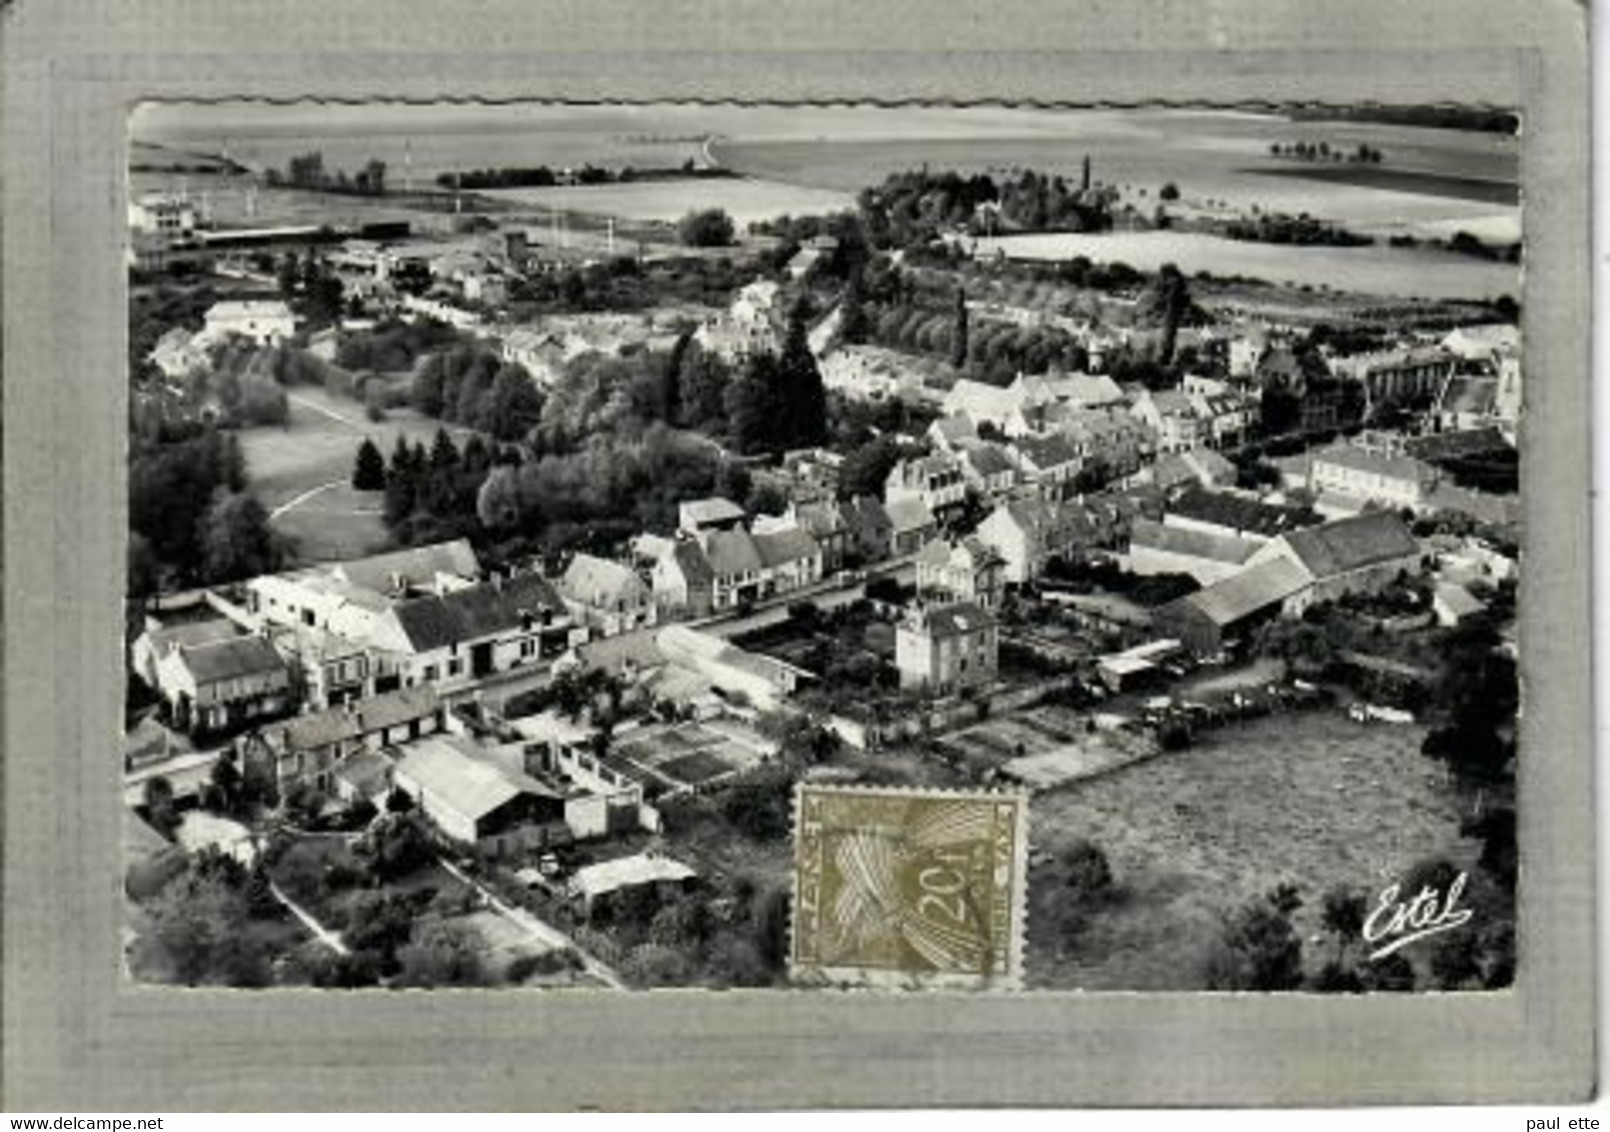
<point x="393" y="346"/>
<point x="470" y="385"/>
<point x="311" y="287"/>
<point x="779" y="402"/>
<point x="604" y="492"/>
<point x="191" y="520"/>
<point x="431" y="495"/>
<point x="1304" y="230"/>
<point x="706" y="228"/>
<point x="914" y="207"/>
<point x="202" y="926"/>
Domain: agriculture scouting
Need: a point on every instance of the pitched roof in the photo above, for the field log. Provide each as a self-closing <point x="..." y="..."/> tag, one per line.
<point x="1196" y="464"/>
<point x="629" y="872"/>
<point x="1247" y="592"/>
<point x="732" y="552"/>
<point x="474" y="787"/>
<point x="230" y="659"/>
<point x="690" y="559"/>
<point x="1386" y="464"/>
<point x="1458" y="600"/>
<point x="712" y="510"/>
<point x="439" y="620"/>
<point x="955" y="619"/>
<point x="1351" y="544"/>
<point x="908" y="515"/>
<point x="867" y="515"/>
<point x="988" y="460"/>
<point x="416" y="566"/>
<point x="823" y="518"/>
<point x="1150" y="535"/>
<point x="590" y="579"/>
<point x="955" y="427"/>
<point x="351" y="721"/>
<point x="1048" y="451"/>
<point x="979" y="401"/>
<point x="777" y="548"/>
<point x="1238" y="513"/>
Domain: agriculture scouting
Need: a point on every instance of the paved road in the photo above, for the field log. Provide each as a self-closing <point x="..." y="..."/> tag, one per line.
<point x="541" y="931"/>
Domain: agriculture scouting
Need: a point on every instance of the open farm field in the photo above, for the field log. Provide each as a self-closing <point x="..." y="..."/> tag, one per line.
<point x="1417" y="273"/>
<point x="744" y="199"/>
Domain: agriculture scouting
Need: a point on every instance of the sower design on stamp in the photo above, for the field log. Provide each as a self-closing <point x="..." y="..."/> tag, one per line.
<point x="899" y="886"/>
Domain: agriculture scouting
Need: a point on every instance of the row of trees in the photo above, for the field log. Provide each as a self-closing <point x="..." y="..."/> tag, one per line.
<point x="1361" y="154"/>
<point x="307" y="171"/>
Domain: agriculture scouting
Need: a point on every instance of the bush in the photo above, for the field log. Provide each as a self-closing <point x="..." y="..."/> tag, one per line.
<point x="706" y="228"/>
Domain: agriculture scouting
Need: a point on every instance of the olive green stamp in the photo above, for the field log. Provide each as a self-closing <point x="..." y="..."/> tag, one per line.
<point x="906" y="887"/>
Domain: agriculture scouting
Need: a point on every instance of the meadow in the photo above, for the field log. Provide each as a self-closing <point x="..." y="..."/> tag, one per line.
<point x="302" y="472"/>
<point x="1310" y="798"/>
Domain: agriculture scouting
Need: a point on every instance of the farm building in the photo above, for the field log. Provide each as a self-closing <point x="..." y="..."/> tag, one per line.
<point x="474" y="801"/>
<point x="1225" y="612"/>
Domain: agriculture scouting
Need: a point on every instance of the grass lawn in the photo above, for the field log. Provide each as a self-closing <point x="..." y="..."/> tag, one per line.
<point x="313" y="453"/>
<point x="1309" y="798"/>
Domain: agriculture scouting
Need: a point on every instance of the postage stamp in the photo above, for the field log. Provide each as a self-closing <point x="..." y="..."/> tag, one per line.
<point x="909" y="887"/>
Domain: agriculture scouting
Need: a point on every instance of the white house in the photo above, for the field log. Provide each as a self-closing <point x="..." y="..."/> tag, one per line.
<point x="265" y="321"/>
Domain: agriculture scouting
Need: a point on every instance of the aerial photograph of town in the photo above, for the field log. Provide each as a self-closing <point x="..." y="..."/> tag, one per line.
<point x="527" y="501"/>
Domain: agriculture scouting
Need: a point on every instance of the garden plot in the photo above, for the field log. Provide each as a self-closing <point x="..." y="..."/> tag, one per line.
<point x="688" y="756"/>
<point x="1048" y="747"/>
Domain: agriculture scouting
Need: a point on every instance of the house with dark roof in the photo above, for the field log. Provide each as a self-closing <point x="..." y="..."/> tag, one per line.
<point x="1207" y="556"/>
<point x="825" y="522"/>
<point x="871" y="531"/>
<point x="988" y="470"/>
<point x="607" y="597"/>
<point x="1227" y="513"/>
<point x="212" y="677"/>
<point x="789" y="560"/>
<point x="309" y="748"/>
<point x="943" y="649"/>
<point x="735" y="567"/>
<point x="465" y="634"/>
<point x="1051" y="463"/>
